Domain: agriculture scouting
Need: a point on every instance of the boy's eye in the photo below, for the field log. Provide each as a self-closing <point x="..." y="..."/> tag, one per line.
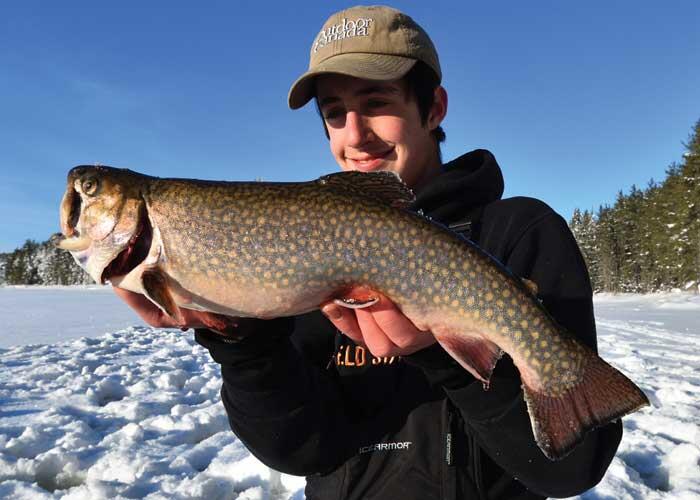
<point x="375" y="103"/>
<point x="332" y="113"/>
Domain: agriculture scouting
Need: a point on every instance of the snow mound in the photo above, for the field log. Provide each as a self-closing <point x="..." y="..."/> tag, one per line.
<point x="134" y="414"/>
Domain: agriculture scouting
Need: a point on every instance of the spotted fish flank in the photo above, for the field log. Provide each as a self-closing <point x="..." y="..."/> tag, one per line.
<point x="277" y="249"/>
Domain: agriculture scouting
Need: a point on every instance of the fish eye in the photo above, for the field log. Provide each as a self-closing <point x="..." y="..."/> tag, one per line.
<point x="90" y="186"/>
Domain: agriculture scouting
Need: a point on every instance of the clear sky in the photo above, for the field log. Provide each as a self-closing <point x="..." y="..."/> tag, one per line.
<point x="576" y="99"/>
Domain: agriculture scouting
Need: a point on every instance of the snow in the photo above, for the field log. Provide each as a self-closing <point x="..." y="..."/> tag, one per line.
<point x="52" y="313"/>
<point x="95" y="405"/>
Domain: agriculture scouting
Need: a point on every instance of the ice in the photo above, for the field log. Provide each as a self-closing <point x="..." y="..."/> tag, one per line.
<point x="95" y="405"/>
<point x="32" y="315"/>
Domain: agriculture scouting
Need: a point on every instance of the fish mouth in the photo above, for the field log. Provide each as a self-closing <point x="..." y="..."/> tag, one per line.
<point x="134" y="254"/>
<point x="70" y="211"/>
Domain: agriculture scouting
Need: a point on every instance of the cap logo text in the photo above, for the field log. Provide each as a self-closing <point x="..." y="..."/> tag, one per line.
<point x="340" y="31"/>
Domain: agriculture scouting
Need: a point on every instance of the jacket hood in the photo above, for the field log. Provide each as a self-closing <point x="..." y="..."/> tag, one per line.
<point x="472" y="180"/>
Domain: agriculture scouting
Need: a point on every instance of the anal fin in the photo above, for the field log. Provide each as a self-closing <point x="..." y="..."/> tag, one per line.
<point x="477" y="355"/>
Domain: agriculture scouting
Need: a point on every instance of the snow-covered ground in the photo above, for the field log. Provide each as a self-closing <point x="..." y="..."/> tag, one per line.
<point x="45" y="315"/>
<point x="133" y="412"/>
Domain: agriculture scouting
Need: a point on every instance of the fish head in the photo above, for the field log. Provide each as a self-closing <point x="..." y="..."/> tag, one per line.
<point x="104" y="223"/>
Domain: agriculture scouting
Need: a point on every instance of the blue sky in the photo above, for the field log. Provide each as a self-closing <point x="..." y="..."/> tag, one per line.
<point x="576" y="99"/>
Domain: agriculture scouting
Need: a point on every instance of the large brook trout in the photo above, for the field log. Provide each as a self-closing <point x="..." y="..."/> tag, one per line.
<point x="264" y="250"/>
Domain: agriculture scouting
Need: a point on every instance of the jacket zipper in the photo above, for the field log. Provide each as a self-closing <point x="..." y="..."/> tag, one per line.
<point x="454" y="455"/>
<point x="450" y="474"/>
<point x="476" y="467"/>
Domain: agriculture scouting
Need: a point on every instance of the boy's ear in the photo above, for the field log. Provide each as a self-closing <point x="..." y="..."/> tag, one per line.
<point x="438" y="110"/>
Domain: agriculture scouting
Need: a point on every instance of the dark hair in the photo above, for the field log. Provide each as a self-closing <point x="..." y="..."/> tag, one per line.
<point x="421" y="82"/>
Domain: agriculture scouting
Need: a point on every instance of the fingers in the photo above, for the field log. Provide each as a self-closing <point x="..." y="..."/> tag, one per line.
<point x="382" y="328"/>
<point x="400" y="330"/>
<point x="344" y="320"/>
<point x="147" y="310"/>
<point x="375" y="338"/>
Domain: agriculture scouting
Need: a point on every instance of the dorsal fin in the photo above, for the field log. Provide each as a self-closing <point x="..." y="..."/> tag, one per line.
<point x="386" y="186"/>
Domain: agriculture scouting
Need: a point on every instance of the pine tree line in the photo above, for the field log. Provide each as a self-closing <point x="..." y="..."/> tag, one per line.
<point x="649" y="240"/>
<point x="40" y="264"/>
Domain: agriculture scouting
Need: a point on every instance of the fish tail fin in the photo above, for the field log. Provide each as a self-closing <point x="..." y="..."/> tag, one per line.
<point x="560" y="422"/>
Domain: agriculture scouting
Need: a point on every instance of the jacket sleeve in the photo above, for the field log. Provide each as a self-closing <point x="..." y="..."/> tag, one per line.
<point x="547" y="254"/>
<point x="284" y="406"/>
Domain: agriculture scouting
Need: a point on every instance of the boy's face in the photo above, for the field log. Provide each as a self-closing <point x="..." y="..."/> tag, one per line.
<point x="376" y="126"/>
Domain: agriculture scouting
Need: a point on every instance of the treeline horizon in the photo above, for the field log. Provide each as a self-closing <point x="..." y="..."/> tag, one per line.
<point x="649" y="239"/>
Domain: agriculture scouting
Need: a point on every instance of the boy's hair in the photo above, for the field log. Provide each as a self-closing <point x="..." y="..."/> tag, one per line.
<point x="421" y="82"/>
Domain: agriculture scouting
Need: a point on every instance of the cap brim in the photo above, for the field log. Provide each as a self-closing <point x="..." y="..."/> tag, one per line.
<point x="380" y="67"/>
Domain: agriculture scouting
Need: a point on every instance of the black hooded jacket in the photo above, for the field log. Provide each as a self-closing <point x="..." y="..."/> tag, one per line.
<point x="306" y="400"/>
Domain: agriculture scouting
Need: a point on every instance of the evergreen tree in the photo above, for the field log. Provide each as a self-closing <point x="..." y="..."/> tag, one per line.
<point x="649" y="239"/>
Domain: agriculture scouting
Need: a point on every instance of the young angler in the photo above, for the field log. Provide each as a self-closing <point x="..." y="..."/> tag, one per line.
<point x="381" y="410"/>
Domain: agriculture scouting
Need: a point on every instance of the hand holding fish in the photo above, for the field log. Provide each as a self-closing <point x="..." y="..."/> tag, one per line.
<point x="382" y="328"/>
<point x="155" y="317"/>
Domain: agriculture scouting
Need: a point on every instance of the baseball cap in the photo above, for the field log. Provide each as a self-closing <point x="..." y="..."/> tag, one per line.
<point x="374" y="43"/>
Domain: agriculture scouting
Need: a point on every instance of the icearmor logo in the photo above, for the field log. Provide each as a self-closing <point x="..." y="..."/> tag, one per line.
<point x="340" y="31"/>
<point x="401" y="445"/>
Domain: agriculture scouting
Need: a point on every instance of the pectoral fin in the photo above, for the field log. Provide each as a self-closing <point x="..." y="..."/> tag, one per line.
<point x="155" y="284"/>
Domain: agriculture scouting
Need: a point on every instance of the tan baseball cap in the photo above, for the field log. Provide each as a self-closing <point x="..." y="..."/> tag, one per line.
<point x="375" y="43"/>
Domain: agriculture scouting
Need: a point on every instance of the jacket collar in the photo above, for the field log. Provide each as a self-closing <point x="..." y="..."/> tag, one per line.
<point x="464" y="184"/>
